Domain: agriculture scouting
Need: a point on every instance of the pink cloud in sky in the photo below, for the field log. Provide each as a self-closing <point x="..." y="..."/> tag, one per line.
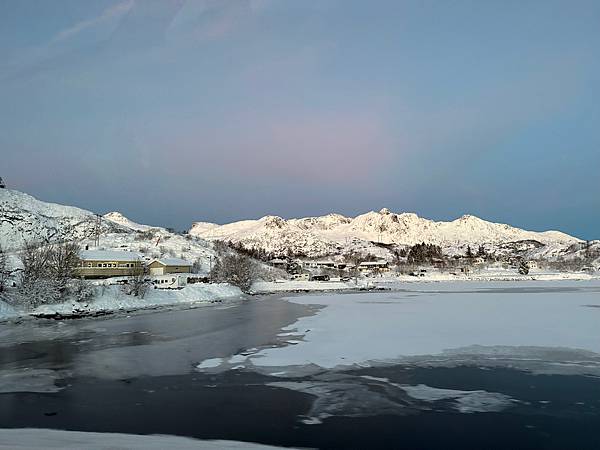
<point x="319" y="148"/>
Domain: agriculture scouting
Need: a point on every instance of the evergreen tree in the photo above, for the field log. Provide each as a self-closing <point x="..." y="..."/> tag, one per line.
<point x="469" y="252"/>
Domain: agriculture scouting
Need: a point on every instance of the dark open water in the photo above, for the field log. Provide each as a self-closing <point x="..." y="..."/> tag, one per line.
<point x="553" y="412"/>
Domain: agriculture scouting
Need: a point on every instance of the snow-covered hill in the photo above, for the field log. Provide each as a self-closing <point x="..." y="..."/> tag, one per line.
<point x="335" y="234"/>
<point x="24" y="218"/>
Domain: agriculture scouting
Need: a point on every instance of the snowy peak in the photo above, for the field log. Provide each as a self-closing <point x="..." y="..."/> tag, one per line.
<point x="327" y="222"/>
<point x="326" y="235"/>
<point x="202" y="227"/>
<point x="118" y="218"/>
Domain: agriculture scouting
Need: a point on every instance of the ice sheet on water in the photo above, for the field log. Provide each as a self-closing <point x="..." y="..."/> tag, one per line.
<point x="31" y="438"/>
<point x="29" y="380"/>
<point x="210" y="363"/>
<point x="375" y="328"/>
<point x="348" y="395"/>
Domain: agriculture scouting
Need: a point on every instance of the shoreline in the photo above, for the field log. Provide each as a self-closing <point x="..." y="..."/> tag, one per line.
<point x="101" y="307"/>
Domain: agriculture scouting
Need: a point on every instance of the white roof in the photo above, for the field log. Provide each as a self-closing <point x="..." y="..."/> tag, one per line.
<point x="172" y="262"/>
<point x="373" y="263"/>
<point x="108" y="255"/>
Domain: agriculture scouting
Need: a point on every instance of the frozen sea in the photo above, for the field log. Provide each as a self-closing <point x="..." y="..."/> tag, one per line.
<point x="432" y="365"/>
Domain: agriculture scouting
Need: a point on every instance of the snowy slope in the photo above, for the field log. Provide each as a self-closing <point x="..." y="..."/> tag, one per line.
<point x="120" y="219"/>
<point x="23" y="219"/>
<point x="334" y="233"/>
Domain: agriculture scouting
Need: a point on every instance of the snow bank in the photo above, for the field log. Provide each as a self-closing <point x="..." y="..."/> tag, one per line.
<point x="265" y="287"/>
<point x="111" y="298"/>
<point x="32" y="438"/>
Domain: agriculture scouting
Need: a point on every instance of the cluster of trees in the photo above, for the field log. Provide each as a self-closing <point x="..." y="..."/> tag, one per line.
<point x="423" y="253"/>
<point x="236" y="269"/>
<point x="48" y="275"/>
<point x="480" y="252"/>
<point x="260" y="253"/>
<point x="234" y="265"/>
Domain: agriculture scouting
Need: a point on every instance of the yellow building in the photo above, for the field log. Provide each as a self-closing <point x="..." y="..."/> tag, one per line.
<point x="108" y="263"/>
<point x="165" y="266"/>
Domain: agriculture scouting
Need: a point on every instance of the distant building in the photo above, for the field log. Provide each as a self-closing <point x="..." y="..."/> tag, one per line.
<point x="300" y="277"/>
<point x="374" y="266"/>
<point x="323" y="264"/>
<point x="166" y="266"/>
<point x="319" y="278"/>
<point x="277" y="262"/>
<point x="108" y="263"/>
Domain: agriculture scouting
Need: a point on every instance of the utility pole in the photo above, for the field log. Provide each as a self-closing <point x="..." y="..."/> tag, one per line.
<point x="97" y="232"/>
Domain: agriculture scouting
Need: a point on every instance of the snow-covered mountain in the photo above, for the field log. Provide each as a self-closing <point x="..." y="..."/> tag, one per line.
<point x="335" y="234"/>
<point x="24" y="218"/>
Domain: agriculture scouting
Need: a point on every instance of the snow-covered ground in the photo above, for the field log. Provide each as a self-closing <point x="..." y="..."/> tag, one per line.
<point x="112" y="299"/>
<point x="31" y="438"/>
<point x="267" y="287"/>
<point x="395" y="282"/>
<point x="523" y="321"/>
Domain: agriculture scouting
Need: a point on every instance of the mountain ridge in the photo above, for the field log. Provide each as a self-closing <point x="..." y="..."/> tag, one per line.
<point x="327" y="234"/>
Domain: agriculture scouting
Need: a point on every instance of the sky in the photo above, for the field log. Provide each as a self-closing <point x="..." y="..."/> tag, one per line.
<point x="174" y="111"/>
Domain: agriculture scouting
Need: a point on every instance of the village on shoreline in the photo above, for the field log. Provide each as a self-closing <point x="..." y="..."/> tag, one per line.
<point x="59" y="262"/>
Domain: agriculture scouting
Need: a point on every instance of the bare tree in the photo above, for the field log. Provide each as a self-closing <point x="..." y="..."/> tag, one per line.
<point x="36" y="286"/>
<point x="238" y="270"/>
<point x="137" y="284"/>
<point x="64" y="259"/>
<point x="47" y="272"/>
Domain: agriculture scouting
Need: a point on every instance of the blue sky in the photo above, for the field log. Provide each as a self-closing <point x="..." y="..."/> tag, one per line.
<point x="172" y="111"/>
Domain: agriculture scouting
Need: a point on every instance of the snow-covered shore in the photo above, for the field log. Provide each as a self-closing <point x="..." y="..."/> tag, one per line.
<point x="110" y="299"/>
<point x="397" y="281"/>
